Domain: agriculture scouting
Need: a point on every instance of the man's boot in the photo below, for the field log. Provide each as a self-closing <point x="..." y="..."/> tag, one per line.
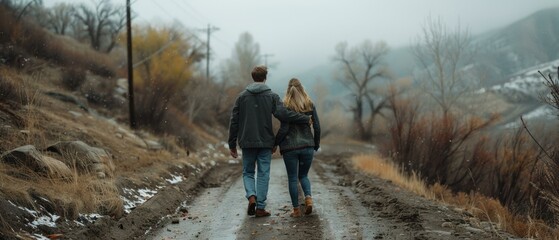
<point x="251" y="210"/>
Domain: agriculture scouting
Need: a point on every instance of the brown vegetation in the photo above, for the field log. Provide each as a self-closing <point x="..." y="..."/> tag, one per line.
<point x="73" y="78"/>
<point x="482" y="207"/>
<point x="451" y="152"/>
<point x="23" y="39"/>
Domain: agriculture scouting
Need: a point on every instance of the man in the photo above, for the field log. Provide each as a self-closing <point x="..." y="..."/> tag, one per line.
<point x="251" y="126"/>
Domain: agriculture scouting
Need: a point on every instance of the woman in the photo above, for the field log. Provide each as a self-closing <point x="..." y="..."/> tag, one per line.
<point x="297" y="145"/>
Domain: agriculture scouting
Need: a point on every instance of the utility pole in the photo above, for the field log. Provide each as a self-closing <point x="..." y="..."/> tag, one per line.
<point x="265" y="56"/>
<point x="130" y="67"/>
<point x="209" y="30"/>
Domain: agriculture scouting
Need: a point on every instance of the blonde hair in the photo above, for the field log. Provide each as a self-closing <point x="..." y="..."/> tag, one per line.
<point x="296" y="98"/>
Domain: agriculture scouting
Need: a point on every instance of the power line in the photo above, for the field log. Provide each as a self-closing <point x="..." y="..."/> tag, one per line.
<point x="154" y="53"/>
<point x="184" y="9"/>
<point x="194" y="10"/>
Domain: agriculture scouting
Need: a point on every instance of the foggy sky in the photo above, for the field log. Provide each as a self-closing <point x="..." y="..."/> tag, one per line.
<point x="303" y="33"/>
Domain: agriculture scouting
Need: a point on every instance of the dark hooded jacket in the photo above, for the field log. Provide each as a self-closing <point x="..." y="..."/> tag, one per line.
<point x="251" y="117"/>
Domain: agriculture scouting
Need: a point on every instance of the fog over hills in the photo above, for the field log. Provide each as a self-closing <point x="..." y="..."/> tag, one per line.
<point x="501" y="53"/>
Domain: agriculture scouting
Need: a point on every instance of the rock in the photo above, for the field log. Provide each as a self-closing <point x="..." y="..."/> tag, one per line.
<point x="75" y="114"/>
<point x="28" y="156"/>
<point x="183" y="210"/>
<point x="475" y="230"/>
<point x="175" y="221"/>
<point x="84" y="157"/>
<point x="68" y="98"/>
<point x="439" y="232"/>
<point x="447" y="225"/>
<point x="153" y="145"/>
<point x="131" y="137"/>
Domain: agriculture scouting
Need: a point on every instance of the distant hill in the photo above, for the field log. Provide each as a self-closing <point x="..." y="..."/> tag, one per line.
<point x="528" y="42"/>
<point x="502" y="53"/>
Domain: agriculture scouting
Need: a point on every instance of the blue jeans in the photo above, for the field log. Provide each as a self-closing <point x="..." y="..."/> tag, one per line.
<point x="298" y="163"/>
<point x="253" y="157"/>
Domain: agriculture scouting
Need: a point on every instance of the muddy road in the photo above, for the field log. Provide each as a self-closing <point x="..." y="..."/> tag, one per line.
<point x="220" y="213"/>
<point x="347" y="205"/>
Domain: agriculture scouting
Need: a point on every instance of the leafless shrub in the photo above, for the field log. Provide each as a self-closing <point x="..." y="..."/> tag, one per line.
<point x="552" y="99"/>
<point x="436" y="147"/>
<point x="73" y="78"/>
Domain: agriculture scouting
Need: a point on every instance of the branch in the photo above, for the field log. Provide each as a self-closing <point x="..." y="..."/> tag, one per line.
<point x="533" y="138"/>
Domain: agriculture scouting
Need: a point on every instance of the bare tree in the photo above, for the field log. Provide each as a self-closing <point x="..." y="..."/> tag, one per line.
<point x="360" y="66"/>
<point x="60" y="17"/>
<point x="103" y="23"/>
<point x="442" y="55"/>
<point x="245" y="56"/>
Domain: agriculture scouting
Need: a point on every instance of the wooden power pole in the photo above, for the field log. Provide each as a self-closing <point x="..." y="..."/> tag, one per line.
<point x="130" y="67"/>
<point x="209" y="30"/>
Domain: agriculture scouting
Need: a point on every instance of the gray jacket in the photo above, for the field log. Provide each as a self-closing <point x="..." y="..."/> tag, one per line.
<point x="297" y="136"/>
<point x="251" y="117"/>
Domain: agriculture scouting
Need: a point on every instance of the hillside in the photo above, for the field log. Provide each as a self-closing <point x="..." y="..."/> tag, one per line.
<point x="67" y="155"/>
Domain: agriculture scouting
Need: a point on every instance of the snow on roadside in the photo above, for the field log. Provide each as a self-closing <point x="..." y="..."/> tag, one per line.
<point x="174" y="179"/>
<point x="39" y="219"/>
<point x="137" y="197"/>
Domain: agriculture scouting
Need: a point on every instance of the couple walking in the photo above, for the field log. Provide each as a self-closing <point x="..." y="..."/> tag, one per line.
<point x="251" y="127"/>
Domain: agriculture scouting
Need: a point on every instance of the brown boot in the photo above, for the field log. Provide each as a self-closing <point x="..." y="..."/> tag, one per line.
<point x="308" y="205"/>
<point x="251" y="210"/>
<point x="296" y="213"/>
<point x="262" y="213"/>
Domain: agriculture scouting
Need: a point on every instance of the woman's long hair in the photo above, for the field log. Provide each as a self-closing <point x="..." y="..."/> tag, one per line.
<point x="296" y="98"/>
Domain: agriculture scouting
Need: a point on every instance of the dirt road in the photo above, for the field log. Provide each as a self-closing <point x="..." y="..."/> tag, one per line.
<point x="348" y="205"/>
<point x="220" y="213"/>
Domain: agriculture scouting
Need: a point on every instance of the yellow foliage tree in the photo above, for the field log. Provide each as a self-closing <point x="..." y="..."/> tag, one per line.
<point x="163" y="64"/>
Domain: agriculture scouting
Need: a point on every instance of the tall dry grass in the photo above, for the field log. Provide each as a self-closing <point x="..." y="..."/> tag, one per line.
<point x="482" y="207"/>
<point x="384" y="169"/>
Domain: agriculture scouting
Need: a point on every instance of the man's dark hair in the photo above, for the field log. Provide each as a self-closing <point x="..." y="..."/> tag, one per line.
<point x="259" y="73"/>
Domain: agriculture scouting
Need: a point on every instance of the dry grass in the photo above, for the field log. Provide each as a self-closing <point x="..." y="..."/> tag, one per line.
<point x="388" y="170"/>
<point x="482" y="207"/>
<point x="47" y="121"/>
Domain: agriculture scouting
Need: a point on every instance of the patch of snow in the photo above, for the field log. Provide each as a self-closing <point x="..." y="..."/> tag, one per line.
<point x="174" y="179"/>
<point x="39" y="219"/>
<point x="541" y="112"/>
<point x="138" y="197"/>
<point x="49" y="220"/>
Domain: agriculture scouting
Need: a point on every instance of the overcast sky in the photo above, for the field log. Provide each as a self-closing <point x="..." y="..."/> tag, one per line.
<point x="303" y="33"/>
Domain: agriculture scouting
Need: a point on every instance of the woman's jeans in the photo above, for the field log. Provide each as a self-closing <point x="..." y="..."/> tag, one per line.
<point x="298" y="163"/>
<point x="253" y="157"/>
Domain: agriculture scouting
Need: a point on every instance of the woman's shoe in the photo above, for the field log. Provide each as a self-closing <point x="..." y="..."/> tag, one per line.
<point x="296" y="213"/>
<point x="308" y="205"/>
